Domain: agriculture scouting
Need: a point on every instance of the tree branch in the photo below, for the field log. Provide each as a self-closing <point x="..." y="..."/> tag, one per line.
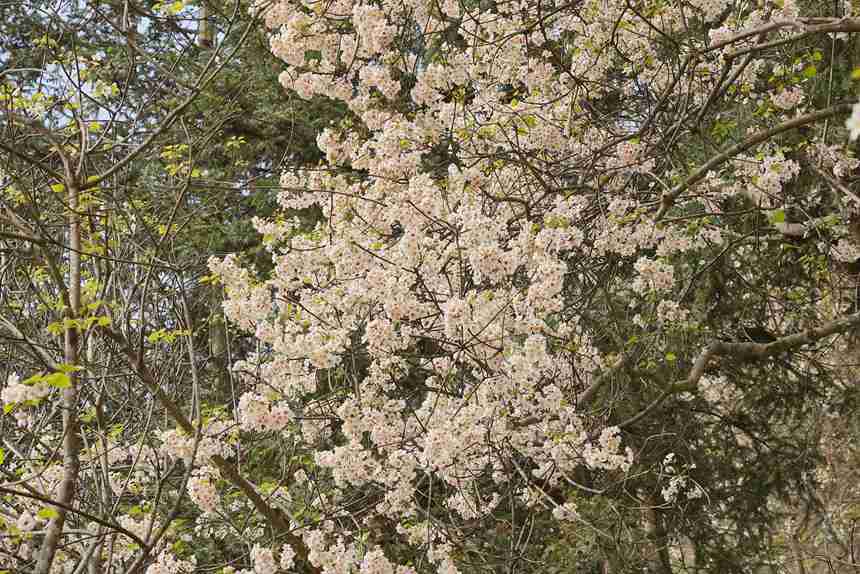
<point x="668" y="199"/>
<point x="745" y="351"/>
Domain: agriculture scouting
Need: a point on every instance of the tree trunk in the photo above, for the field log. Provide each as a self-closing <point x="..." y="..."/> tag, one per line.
<point x="656" y="532"/>
<point x="204" y="30"/>
<point x="71" y="430"/>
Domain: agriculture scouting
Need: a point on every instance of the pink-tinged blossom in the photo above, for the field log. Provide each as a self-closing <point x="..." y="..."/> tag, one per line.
<point x="671" y="313"/>
<point x="607" y="452"/>
<point x="176" y="444"/>
<point x="17" y="393"/>
<point x="375" y="562"/>
<point x="201" y="488"/>
<point x="288" y="555"/>
<point x="263" y="560"/>
<point x="721" y="34"/>
<point x="834" y="158"/>
<point x="788" y="98"/>
<point x="565" y="512"/>
<point x="846" y="250"/>
<point x="378" y="77"/>
<point x="26" y="522"/>
<point x="332" y="554"/>
<point x="762" y="178"/>
<point x="373" y="29"/>
<point x="654" y="274"/>
<point x="167" y="563"/>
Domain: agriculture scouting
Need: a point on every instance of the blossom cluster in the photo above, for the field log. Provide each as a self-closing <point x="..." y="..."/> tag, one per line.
<point x="788" y="98"/>
<point x="201" y="488"/>
<point x="678" y="480"/>
<point x="167" y="563"/>
<point x="17" y="395"/>
<point x="177" y="444"/>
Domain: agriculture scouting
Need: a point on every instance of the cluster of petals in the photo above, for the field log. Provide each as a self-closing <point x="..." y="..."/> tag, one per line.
<point x="17" y="393"/>
<point x="168" y="563"/>
<point x="178" y="444"/>
<point x="202" y="490"/>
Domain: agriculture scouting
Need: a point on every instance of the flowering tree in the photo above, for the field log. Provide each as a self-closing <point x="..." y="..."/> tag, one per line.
<point x="111" y="179"/>
<point x="578" y="274"/>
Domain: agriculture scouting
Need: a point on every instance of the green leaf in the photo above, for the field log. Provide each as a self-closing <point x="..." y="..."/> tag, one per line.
<point x="37" y="378"/>
<point x="855" y="75"/>
<point x="89" y="415"/>
<point x="778" y="216"/>
<point x="55" y="328"/>
<point x="671" y="357"/>
<point x="58" y="380"/>
<point x="2" y="455"/>
<point x="58" y="188"/>
<point x="47" y="513"/>
<point x="67" y="368"/>
<point x="156" y="336"/>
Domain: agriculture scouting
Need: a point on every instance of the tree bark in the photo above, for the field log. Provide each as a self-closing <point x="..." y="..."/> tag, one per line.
<point x="71" y="428"/>
<point x="656" y="532"/>
<point x="204" y="31"/>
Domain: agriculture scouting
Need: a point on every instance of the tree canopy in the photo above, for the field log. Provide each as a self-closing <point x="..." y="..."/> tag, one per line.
<point x="429" y="287"/>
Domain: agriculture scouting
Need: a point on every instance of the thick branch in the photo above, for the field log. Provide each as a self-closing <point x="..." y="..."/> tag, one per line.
<point x="669" y="197"/>
<point x="807" y="25"/>
<point x="746" y="351"/>
<point x="758" y="351"/>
